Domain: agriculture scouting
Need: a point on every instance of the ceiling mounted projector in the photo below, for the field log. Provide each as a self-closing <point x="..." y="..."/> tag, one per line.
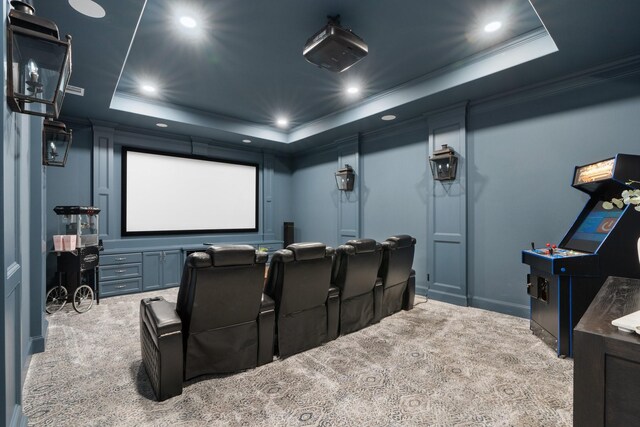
<point x="335" y="48"/>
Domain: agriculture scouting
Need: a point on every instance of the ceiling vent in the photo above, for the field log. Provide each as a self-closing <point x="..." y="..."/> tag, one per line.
<point x="334" y="47"/>
<point x="75" y="90"/>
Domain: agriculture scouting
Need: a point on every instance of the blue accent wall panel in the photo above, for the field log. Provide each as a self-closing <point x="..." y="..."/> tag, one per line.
<point x="393" y="185"/>
<point x="70" y="185"/>
<point x="521" y="155"/>
<point x="446" y="211"/>
<point x="349" y="201"/>
<point x="316" y="198"/>
<point x="281" y="195"/>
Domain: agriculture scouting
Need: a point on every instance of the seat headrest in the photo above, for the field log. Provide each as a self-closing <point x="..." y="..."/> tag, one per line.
<point x="401" y="241"/>
<point x="199" y="260"/>
<point x="307" y="251"/>
<point x="364" y="245"/>
<point x="222" y="256"/>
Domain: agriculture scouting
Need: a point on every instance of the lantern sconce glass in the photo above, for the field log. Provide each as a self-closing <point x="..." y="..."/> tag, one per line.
<point x="444" y="164"/>
<point x="39" y="63"/>
<point x="56" y="141"/>
<point x="345" y="178"/>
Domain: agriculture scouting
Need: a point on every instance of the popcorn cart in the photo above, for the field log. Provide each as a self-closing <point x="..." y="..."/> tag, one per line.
<point x="77" y="248"/>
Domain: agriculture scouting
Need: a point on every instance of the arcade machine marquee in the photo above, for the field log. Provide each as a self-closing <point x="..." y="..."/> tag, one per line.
<point x="602" y="242"/>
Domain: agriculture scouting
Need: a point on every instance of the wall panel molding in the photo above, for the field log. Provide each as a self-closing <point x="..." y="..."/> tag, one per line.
<point x="267" y="208"/>
<point x="447" y="212"/>
<point x="349" y="201"/>
<point x="103" y="180"/>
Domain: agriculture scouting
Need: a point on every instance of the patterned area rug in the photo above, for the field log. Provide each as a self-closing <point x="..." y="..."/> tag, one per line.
<point x="436" y="365"/>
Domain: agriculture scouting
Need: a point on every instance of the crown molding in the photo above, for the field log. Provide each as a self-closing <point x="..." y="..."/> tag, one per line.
<point x="594" y="76"/>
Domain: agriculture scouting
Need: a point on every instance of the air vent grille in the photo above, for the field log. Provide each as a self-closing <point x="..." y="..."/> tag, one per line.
<point x="75" y="90"/>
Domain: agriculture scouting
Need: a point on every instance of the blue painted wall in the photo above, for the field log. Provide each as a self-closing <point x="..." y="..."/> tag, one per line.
<point x="315" y="197"/>
<point x="394" y="184"/>
<point x="21" y="257"/>
<point x="522" y="150"/>
<point x="392" y="178"/>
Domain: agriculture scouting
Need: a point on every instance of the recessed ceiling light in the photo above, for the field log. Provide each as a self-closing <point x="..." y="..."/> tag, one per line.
<point x="188" y="22"/>
<point x="388" y="117"/>
<point x="493" y="26"/>
<point x="88" y="8"/>
<point x="148" y="89"/>
<point x="162" y="125"/>
<point x="282" y="122"/>
<point x="246" y="141"/>
<point x="352" y="90"/>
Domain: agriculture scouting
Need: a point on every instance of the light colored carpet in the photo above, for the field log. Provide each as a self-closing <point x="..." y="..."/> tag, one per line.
<point x="437" y="364"/>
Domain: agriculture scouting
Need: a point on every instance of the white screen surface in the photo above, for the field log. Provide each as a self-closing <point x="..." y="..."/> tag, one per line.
<point x="164" y="193"/>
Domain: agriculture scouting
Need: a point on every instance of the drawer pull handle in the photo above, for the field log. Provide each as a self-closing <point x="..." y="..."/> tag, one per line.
<point x="121" y="259"/>
<point x="121" y="286"/>
<point x="121" y="271"/>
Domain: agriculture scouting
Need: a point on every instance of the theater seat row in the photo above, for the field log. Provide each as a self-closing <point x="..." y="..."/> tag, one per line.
<point x="227" y="319"/>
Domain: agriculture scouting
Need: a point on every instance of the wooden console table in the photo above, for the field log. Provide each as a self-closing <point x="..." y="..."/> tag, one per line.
<point x="606" y="384"/>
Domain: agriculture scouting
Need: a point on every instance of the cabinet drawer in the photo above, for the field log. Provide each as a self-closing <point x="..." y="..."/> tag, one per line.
<point x="111" y="272"/>
<point x="121" y="258"/>
<point x="118" y="287"/>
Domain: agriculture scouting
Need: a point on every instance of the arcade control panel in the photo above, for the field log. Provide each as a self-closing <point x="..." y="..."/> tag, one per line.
<point x="552" y="251"/>
<point x="554" y="260"/>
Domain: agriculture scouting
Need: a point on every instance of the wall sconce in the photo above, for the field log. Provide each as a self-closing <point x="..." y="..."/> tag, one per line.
<point x="39" y="63"/>
<point x="444" y="164"/>
<point x="55" y="143"/>
<point x="345" y="178"/>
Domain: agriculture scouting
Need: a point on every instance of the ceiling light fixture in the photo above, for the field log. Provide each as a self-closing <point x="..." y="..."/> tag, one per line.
<point x="148" y="89"/>
<point x="188" y="22"/>
<point x="162" y="125"/>
<point x="282" y="122"/>
<point x="88" y="8"/>
<point x="246" y="141"/>
<point x="353" y="90"/>
<point x="493" y="26"/>
<point x="388" y="117"/>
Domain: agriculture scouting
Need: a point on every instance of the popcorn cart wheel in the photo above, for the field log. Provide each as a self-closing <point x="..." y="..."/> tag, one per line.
<point x="82" y="299"/>
<point x="58" y="296"/>
<point x="56" y="299"/>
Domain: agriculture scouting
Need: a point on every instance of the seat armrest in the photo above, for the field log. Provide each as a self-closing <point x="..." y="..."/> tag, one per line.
<point x="409" y="292"/>
<point x="378" y="292"/>
<point x="161" y="346"/>
<point x="266" y="327"/>
<point x="161" y="316"/>
<point x="333" y="313"/>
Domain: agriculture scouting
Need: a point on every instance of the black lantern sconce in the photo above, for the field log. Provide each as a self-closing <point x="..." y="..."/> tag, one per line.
<point x="345" y="178"/>
<point x="39" y="63"/>
<point x="56" y="141"/>
<point x="444" y="164"/>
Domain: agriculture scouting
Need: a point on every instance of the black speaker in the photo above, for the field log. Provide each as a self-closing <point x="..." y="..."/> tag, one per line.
<point x="287" y="234"/>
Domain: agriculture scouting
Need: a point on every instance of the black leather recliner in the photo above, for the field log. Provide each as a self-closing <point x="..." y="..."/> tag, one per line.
<point x="355" y="272"/>
<point x="398" y="278"/>
<point x="222" y="321"/>
<point x="307" y="306"/>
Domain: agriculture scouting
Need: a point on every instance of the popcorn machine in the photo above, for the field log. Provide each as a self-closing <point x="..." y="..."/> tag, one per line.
<point x="77" y="248"/>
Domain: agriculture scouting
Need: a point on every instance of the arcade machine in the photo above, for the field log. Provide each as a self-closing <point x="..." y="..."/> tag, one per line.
<point x="601" y="243"/>
<point x="77" y="248"/>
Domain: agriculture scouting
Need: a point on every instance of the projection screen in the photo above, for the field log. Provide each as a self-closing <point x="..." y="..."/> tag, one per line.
<point x="166" y="193"/>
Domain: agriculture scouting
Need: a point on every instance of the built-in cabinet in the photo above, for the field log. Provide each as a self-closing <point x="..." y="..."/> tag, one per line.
<point x="161" y="269"/>
<point x="120" y="274"/>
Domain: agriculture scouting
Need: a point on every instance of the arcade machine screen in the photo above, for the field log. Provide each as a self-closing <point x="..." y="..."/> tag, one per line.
<point x="594" y="227"/>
